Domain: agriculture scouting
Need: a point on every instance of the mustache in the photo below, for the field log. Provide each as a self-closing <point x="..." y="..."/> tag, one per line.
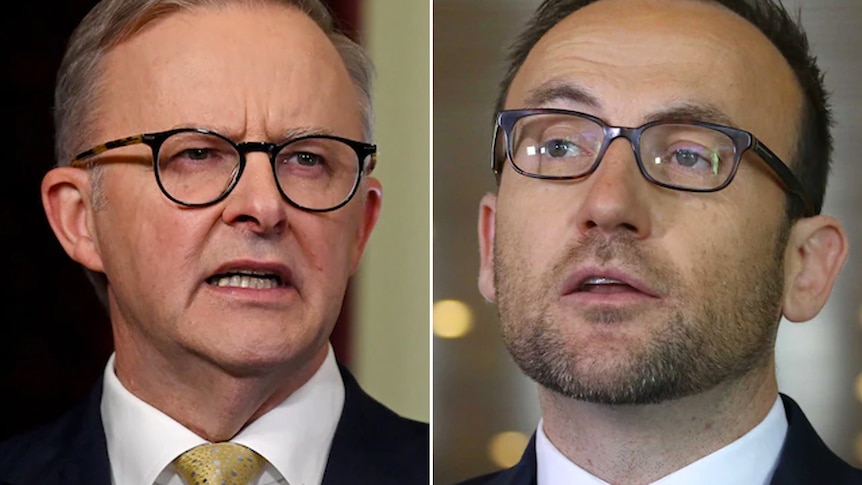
<point x="619" y="250"/>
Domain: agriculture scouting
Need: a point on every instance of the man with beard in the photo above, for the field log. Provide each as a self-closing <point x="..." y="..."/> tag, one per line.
<point x="661" y="168"/>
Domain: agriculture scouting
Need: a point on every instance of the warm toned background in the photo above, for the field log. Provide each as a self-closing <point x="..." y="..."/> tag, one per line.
<point x="483" y="408"/>
<point x="55" y="335"/>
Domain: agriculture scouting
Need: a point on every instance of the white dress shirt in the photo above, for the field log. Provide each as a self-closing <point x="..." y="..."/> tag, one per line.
<point x="750" y="460"/>
<point x="294" y="437"/>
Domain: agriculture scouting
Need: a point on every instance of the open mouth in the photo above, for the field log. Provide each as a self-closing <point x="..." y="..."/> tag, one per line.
<point x="607" y="281"/>
<point x="601" y="284"/>
<point x="259" y="280"/>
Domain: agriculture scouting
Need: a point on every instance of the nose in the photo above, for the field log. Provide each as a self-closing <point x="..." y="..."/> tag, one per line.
<point x="256" y="202"/>
<point x="616" y="197"/>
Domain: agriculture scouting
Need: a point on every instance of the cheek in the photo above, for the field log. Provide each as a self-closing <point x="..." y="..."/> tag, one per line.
<point x="148" y="239"/>
<point x="531" y="229"/>
<point x="326" y="241"/>
<point x="722" y="248"/>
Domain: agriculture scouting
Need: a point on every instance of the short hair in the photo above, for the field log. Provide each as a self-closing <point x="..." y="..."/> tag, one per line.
<point x="111" y="22"/>
<point x="812" y="158"/>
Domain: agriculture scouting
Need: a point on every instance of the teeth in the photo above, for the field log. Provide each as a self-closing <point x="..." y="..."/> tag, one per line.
<point x="600" y="280"/>
<point x="262" y="282"/>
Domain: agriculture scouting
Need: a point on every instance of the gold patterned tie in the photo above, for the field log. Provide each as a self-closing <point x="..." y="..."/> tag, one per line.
<point x="219" y="464"/>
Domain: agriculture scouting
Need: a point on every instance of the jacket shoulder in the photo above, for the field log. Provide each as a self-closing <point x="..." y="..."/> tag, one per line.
<point x="805" y="458"/>
<point x="523" y="473"/>
<point x="71" y="443"/>
<point x="488" y="478"/>
<point x="373" y="444"/>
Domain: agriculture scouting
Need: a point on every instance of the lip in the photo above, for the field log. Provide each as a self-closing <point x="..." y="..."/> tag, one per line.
<point x="577" y="278"/>
<point x="245" y="265"/>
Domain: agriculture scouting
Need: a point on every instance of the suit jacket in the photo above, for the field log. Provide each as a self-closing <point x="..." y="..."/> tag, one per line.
<point x="372" y="445"/>
<point x="804" y="459"/>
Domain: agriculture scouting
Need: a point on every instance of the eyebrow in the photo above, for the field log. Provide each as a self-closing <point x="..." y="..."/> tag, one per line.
<point x="551" y="91"/>
<point x="692" y="111"/>
<point x="298" y="132"/>
<point x="284" y="136"/>
<point x="561" y="91"/>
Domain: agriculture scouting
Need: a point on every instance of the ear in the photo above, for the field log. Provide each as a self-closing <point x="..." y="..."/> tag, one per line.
<point x="487" y="217"/>
<point x="66" y="197"/>
<point x="816" y="252"/>
<point x="372" y="198"/>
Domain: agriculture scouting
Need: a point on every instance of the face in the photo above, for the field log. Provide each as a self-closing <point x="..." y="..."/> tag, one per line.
<point x="252" y="74"/>
<point x="614" y="290"/>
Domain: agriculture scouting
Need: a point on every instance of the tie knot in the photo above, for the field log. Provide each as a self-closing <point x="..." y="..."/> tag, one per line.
<point x="219" y="464"/>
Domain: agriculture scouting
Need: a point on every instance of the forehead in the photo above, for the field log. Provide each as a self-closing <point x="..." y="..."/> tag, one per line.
<point x="237" y="68"/>
<point x="636" y="57"/>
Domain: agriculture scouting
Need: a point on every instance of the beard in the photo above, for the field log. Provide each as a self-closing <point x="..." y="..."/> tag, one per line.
<point x="720" y="326"/>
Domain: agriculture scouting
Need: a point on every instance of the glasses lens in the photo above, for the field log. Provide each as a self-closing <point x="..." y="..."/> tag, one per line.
<point x="555" y="145"/>
<point x="317" y="173"/>
<point x="196" y="168"/>
<point x="687" y="156"/>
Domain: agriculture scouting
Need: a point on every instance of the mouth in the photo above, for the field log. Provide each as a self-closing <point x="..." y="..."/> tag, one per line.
<point x="606" y="282"/>
<point x="602" y="284"/>
<point x="250" y="278"/>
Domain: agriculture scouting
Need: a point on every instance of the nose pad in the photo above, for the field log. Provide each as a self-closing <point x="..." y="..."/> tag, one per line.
<point x="615" y="198"/>
<point x="256" y="199"/>
<point x="620" y="158"/>
<point x="258" y="173"/>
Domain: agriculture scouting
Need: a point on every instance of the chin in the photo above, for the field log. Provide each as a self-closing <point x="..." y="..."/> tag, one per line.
<point x="260" y="357"/>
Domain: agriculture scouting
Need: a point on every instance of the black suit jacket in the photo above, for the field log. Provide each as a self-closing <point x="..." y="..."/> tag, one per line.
<point x="372" y="445"/>
<point x="804" y="459"/>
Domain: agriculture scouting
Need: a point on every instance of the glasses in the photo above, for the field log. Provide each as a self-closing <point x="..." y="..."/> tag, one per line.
<point x="195" y="167"/>
<point x="692" y="156"/>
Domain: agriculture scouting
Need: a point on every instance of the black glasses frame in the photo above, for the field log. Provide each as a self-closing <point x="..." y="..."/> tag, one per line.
<point x="742" y="140"/>
<point x="155" y="140"/>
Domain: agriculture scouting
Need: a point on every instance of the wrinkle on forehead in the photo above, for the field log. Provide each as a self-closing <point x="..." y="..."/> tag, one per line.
<point x="567" y="93"/>
<point x="641" y="55"/>
<point x="250" y="73"/>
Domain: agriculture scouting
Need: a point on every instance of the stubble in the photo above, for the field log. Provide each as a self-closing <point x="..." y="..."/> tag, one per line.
<point x="714" y="326"/>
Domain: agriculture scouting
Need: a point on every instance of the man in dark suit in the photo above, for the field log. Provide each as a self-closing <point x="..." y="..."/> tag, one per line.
<point x="215" y="180"/>
<point x="644" y="243"/>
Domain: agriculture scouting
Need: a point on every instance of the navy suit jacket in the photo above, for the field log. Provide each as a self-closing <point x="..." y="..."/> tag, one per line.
<point x="372" y="445"/>
<point x="804" y="459"/>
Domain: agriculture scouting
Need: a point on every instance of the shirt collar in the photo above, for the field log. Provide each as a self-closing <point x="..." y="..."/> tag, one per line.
<point x="294" y="437"/>
<point x="750" y="459"/>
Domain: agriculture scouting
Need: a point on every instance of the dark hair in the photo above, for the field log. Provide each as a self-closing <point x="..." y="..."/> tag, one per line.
<point x="813" y="154"/>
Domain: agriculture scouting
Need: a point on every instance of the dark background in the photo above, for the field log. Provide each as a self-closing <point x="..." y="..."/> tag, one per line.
<point x="56" y="336"/>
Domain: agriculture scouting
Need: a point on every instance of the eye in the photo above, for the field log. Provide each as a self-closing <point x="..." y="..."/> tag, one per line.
<point x="196" y="153"/>
<point x="560" y="149"/>
<point x="308" y="162"/>
<point x="696" y="158"/>
<point x="307" y="159"/>
<point x="302" y="160"/>
<point x="687" y="158"/>
<point x="196" y="157"/>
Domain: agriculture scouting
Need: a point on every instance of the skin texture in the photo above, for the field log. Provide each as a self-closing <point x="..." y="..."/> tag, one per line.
<point x="635" y="384"/>
<point x="214" y="358"/>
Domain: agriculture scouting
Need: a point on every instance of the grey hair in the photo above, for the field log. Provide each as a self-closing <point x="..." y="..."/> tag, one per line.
<point x="111" y="22"/>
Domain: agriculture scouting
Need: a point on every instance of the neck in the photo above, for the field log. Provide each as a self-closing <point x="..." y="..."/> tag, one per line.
<point x="212" y="400"/>
<point x="639" y="444"/>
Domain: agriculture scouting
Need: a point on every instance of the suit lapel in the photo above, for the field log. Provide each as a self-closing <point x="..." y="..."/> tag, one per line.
<point x="369" y="446"/>
<point x="524" y="473"/>
<point x="805" y="458"/>
<point x="366" y="448"/>
<point x="86" y="459"/>
<point x="73" y="450"/>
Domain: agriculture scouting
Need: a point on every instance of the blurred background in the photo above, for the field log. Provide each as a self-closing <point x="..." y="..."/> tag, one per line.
<point x="484" y="408"/>
<point x="57" y="336"/>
